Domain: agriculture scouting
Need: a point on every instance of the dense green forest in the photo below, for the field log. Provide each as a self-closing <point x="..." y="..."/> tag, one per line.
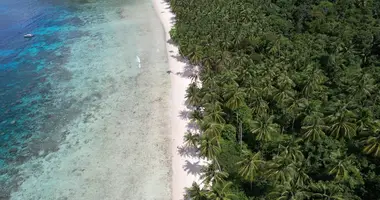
<point x="289" y="100"/>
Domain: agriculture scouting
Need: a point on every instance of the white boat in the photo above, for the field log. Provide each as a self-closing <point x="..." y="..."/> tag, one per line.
<point x="28" y="35"/>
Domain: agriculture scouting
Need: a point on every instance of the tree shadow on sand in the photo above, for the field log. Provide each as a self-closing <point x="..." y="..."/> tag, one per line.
<point x="170" y="41"/>
<point x="179" y="58"/>
<point x="189" y="71"/>
<point x="185" y="151"/>
<point x="192" y="168"/>
<point x="184" y="114"/>
<point x="192" y="125"/>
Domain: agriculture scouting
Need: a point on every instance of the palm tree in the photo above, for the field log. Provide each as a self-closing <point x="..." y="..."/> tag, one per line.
<point x="372" y="146"/>
<point x="313" y="127"/>
<point x="250" y="165"/>
<point x="195" y="192"/>
<point x="289" y="191"/>
<point x="191" y="139"/>
<point x="326" y="191"/>
<point x="259" y="106"/>
<point x="314" y="81"/>
<point x="283" y="96"/>
<point x="264" y="128"/>
<point x="281" y="169"/>
<point x="196" y="55"/>
<point x="209" y="147"/>
<point x="235" y="99"/>
<point x="213" y="129"/>
<point x="229" y="77"/>
<point x="208" y="62"/>
<point x="345" y="170"/>
<point x="267" y="88"/>
<point x="214" y="112"/>
<point x="290" y="164"/>
<point x="196" y="115"/>
<point x="193" y="95"/>
<point x="366" y="85"/>
<point x="221" y="191"/>
<point x="291" y="151"/>
<point x="252" y="89"/>
<point x="366" y="121"/>
<point x="211" y="174"/>
<point x="284" y="92"/>
<point x="343" y="124"/>
<point x="207" y="78"/>
<point x="245" y="74"/>
<point x="301" y="177"/>
<point x="305" y="107"/>
<point x="294" y="110"/>
<point x="210" y="95"/>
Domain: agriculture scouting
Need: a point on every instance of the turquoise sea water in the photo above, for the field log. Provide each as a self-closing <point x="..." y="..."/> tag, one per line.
<point x="81" y="52"/>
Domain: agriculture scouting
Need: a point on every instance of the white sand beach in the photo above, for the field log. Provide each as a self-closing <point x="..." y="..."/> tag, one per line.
<point x="185" y="165"/>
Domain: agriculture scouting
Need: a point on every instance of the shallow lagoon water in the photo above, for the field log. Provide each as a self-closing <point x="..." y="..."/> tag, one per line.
<point x="79" y="119"/>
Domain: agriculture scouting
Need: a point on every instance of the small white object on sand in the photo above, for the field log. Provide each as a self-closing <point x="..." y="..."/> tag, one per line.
<point x="28" y="35"/>
<point x="138" y="60"/>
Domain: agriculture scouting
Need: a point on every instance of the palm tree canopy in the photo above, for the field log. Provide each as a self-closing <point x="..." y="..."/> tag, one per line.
<point x="299" y="82"/>
<point x="250" y="165"/>
<point x="264" y="129"/>
<point x="195" y="192"/>
<point x="222" y="191"/>
<point x="211" y="174"/>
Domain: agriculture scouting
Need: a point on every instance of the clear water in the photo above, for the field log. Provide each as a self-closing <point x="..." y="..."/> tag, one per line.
<point x="75" y="103"/>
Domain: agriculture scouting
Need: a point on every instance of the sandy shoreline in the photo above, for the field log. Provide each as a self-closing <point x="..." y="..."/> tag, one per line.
<point x="185" y="167"/>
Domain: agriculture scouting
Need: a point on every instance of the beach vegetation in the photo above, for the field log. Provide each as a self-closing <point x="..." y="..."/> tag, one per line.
<point x="289" y="101"/>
